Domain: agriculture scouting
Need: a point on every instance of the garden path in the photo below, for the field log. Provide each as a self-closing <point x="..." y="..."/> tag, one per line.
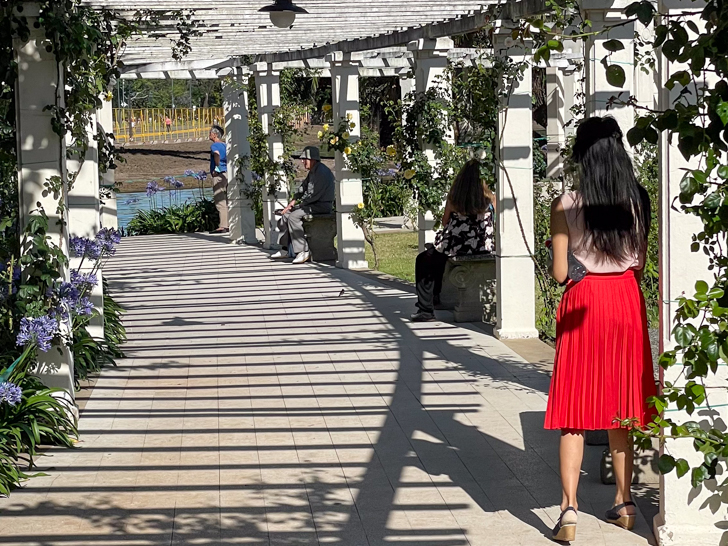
<point x="265" y="403"/>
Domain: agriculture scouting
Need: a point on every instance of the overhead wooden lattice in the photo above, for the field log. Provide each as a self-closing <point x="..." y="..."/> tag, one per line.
<point x="235" y="27"/>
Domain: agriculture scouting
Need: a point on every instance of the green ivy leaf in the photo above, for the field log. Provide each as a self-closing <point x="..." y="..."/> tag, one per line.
<point x="613" y="45"/>
<point x="701" y="287"/>
<point x="635" y="136"/>
<point x="722" y="111"/>
<point x="681" y="467"/>
<point x="723" y="172"/>
<point x="615" y="75"/>
<point x="666" y="463"/>
<point x="683" y="335"/>
<point x="699" y="475"/>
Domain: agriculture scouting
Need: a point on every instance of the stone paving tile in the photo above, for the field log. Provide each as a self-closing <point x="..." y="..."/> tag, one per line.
<point x="266" y="404"/>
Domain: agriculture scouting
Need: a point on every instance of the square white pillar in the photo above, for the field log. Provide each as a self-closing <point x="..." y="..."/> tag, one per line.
<point x="268" y="87"/>
<point x="105" y="120"/>
<point x="41" y="155"/>
<point x="345" y="96"/>
<point x="515" y="272"/>
<point x="431" y="62"/>
<point x="84" y="218"/>
<point x="560" y="97"/>
<point x="237" y="131"/>
<point x="600" y="94"/>
<point x="685" y="519"/>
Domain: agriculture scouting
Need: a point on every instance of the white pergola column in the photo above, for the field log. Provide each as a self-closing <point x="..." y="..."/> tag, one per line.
<point x="268" y="87"/>
<point x="237" y="131"/>
<point x="515" y="293"/>
<point x="84" y="218"/>
<point x="345" y="97"/>
<point x="41" y="155"/>
<point x="430" y="57"/>
<point x="109" y="218"/>
<point x="560" y="90"/>
<point x="685" y="519"/>
<point x="599" y="92"/>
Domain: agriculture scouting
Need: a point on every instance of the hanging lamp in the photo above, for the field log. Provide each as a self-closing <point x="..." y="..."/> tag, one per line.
<point x="282" y="13"/>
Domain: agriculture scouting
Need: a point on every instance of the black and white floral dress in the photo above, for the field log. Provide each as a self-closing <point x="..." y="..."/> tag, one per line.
<point x="466" y="234"/>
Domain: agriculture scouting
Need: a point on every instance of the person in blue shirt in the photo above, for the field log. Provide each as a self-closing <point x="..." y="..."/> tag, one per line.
<point x="218" y="172"/>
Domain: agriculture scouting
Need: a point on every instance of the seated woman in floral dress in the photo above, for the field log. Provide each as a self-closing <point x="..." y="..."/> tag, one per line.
<point x="467" y="229"/>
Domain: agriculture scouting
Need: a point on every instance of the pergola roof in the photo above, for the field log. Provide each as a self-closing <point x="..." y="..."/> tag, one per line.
<point x="234" y="28"/>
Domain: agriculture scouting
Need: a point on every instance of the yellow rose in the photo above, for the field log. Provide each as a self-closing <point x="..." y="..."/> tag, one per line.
<point x="347" y="150"/>
<point x="336" y="139"/>
<point x="326" y="126"/>
<point x="349" y="116"/>
<point x="321" y="134"/>
<point x="360" y="205"/>
<point x="352" y="125"/>
<point x="345" y="135"/>
<point x="409" y="174"/>
<point x="332" y="141"/>
<point x="327" y="108"/>
<point x="391" y="151"/>
<point x="109" y="96"/>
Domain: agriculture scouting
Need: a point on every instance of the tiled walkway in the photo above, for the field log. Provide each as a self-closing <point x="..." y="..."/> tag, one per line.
<point x="265" y="403"/>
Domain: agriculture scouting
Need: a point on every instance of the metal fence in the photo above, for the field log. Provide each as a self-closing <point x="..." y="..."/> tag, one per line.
<point x="149" y="124"/>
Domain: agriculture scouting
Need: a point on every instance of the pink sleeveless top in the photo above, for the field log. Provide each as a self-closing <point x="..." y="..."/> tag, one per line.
<point x="594" y="261"/>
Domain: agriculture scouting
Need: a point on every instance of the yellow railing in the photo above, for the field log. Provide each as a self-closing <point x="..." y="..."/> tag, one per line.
<point x="149" y="124"/>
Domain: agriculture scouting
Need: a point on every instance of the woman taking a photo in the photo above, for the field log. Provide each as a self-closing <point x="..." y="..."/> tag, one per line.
<point x="467" y="229"/>
<point x="603" y="365"/>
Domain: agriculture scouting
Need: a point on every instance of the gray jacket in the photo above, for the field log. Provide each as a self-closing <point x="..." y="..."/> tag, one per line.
<point x="318" y="191"/>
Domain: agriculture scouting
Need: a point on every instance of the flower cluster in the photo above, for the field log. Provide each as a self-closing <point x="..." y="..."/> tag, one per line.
<point x="71" y="296"/>
<point x="83" y="281"/>
<point x="153" y="188"/>
<point x="201" y="176"/>
<point x="108" y="238"/>
<point x="37" y="330"/>
<point x="174" y="183"/>
<point x="83" y="247"/>
<point x="338" y="139"/>
<point x="10" y="393"/>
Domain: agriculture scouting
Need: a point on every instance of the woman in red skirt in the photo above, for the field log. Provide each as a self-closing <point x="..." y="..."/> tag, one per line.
<point x="603" y="367"/>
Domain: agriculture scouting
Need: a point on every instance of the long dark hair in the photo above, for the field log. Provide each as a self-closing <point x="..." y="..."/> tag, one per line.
<point x="469" y="195"/>
<point x="616" y="208"/>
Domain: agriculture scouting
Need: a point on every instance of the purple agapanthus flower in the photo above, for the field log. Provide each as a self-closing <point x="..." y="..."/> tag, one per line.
<point x="10" y="393"/>
<point x="83" y="280"/>
<point x="69" y="293"/>
<point x="153" y="188"/>
<point x="173" y="182"/>
<point x="83" y="247"/>
<point x="83" y="307"/>
<point x="108" y="238"/>
<point x="39" y="330"/>
<point x="256" y="176"/>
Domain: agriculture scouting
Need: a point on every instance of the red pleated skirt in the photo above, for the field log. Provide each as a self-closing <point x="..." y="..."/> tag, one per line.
<point x="603" y="365"/>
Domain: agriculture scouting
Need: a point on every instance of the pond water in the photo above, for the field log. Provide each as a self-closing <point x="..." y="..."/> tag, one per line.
<point x="127" y="204"/>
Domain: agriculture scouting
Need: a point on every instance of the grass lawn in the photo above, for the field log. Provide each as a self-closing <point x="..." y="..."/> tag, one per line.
<point x="397" y="253"/>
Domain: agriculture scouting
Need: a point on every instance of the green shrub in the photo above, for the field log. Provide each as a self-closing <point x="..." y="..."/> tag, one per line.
<point x="40" y="418"/>
<point x="187" y="218"/>
<point x="114" y="331"/>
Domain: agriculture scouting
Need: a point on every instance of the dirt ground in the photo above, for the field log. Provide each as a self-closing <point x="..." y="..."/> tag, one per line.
<point x="146" y="162"/>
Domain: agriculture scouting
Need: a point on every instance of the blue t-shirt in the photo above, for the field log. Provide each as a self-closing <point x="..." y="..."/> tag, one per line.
<point x="220" y="148"/>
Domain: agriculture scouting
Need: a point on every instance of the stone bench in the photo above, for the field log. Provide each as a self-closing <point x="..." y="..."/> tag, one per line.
<point x="468" y="288"/>
<point x="320" y="230"/>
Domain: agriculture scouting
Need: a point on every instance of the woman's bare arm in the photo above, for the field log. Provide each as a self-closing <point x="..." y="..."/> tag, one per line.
<point x="559" y="242"/>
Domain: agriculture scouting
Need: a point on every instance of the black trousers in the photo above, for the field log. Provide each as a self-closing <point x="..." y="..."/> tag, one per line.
<point x="429" y="269"/>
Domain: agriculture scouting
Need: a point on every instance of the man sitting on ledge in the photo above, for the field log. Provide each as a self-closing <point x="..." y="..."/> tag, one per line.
<point x="316" y="196"/>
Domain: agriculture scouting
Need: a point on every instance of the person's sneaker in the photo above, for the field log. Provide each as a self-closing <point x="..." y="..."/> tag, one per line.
<point x="280" y="255"/>
<point x="421" y="316"/>
<point x="302" y="257"/>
